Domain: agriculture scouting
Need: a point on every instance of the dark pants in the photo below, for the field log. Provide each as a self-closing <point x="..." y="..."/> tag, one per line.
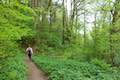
<point x="29" y="55"/>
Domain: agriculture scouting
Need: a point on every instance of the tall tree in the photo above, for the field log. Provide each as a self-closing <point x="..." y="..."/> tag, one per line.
<point x="50" y="12"/>
<point x="63" y="23"/>
<point x="114" y="30"/>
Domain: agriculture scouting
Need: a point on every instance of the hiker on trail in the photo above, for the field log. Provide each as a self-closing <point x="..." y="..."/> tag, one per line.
<point x="29" y="52"/>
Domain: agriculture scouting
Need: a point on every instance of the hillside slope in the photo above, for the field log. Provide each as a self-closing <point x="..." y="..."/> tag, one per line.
<point x="16" y="20"/>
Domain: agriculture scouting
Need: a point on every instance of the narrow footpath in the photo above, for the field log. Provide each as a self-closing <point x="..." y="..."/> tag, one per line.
<point x="33" y="73"/>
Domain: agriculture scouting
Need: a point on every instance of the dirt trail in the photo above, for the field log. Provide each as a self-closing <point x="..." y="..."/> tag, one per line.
<point x="33" y="72"/>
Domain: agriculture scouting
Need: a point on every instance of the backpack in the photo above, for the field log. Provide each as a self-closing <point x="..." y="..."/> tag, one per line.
<point x="29" y="51"/>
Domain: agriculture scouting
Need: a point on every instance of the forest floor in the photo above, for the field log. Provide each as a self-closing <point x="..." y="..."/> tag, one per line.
<point x="33" y="73"/>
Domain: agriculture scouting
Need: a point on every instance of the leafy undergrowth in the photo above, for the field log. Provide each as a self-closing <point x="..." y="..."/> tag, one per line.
<point x="58" y="69"/>
<point x="15" y="23"/>
<point x="13" y="68"/>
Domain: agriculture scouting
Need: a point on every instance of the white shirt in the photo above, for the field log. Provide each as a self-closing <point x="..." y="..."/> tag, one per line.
<point x="29" y="48"/>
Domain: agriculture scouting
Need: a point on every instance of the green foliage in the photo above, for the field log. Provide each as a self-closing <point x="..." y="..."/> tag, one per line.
<point x="15" y="22"/>
<point x="13" y="25"/>
<point x="58" y="69"/>
<point x="101" y="44"/>
<point x="58" y="34"/>
<point x="101" y="64"/>
<point x="13" y="68"/>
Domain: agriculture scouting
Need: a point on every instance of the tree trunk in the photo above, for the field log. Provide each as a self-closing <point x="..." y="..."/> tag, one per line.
<point x="63" y="33"/>
<point x="114" y="30"/>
